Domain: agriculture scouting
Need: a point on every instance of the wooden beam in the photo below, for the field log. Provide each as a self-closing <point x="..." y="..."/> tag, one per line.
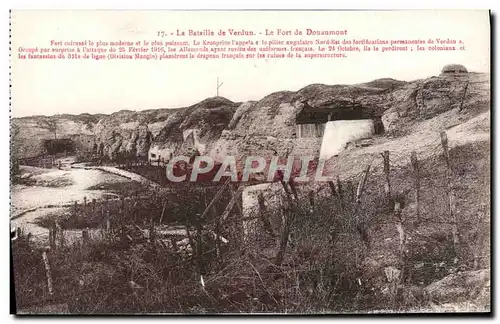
<point x="362" y="183"/>
<point x="214" y="200"/>
<point x="280" y="256"/>
<point x="416" y="177"/>
<point x="387" y="171"/>
<point x="47" y="272"/>
<point x="231" y="203"/>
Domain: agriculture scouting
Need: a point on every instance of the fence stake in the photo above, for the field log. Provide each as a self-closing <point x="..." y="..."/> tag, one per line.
<point x="341" y="194"/>
<point x="122" y="208"/>
<point x="362" y="183"/>
<point x="359" y="192"/>
<point x="449" y="189"/>
<point x="199" y="251"/>
<point x="85" y="236"/>
<point x="311" y="199"/>
<point x="293" y="188"/>
<point x="231" y="203"/>
<point x="59" y="232"/>
<point x="84" y="207"/>
<point x="152" y="233"/>
<point x="47" y="271"/>
<point x="75" y="212"/>
<point x="332" y="188"/>
<point x="350" y="191"/>
<point x="163" y="211"/>
<point x="52" y="236"/>
<point x="399" y="226"/>
<point x="263" y="217"/>
<point x="284" y="236"/>
<point x="387" y="170"/>
<point x="416" y="175"/>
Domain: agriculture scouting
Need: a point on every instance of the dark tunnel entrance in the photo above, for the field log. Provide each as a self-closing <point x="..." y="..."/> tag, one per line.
<point x="321" y="115"/>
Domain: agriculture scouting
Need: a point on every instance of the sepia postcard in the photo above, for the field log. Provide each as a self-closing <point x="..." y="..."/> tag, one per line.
<point x="250" y="162"/>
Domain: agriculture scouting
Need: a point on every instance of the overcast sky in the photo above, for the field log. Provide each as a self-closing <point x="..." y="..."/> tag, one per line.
<point x="75" y="86"/>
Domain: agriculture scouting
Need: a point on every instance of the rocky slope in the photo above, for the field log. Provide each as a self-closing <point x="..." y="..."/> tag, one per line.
<point x="218" y="126"/>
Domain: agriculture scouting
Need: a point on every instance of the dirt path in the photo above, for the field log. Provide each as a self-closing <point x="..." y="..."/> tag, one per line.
<point x="59" y="188"/>
<point x="118" y="172"/>
<point x="54" y="190"/>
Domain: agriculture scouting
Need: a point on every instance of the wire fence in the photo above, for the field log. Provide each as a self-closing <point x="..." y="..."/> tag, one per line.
<point x="323" y="227"/>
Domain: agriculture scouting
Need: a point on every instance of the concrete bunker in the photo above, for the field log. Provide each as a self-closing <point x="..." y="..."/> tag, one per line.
<point x="454" y="70"/>
<point x="338" y="123"/>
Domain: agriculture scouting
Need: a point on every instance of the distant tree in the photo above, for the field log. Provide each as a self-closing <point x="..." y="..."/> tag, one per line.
<point x="49" y="124"/>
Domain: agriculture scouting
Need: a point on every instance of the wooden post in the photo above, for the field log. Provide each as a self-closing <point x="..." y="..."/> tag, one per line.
<point x="85" y="207"/>
<point x="399" y="226"/>
<point x="332" y="188"/>
<point x="75" y="212"/>
<point x="190" y="238"/>
<point x="85" y="236"/>
<point x="240" y="226"/>
<point x="199" y="251"/>
<point x="163" y="211"/>
<point x="47" y="272"/>
<point x="293" y="188"/>
<point x="93" y="206"/>
<point x="387" y="170"/>
<point x="464" y="95"/>
<point x="135" y="201"/>
<point x="350" y="191"/>
<point x="59" y="233"/>
<point x="449" y="186"/>
<point x="152" y="233"/>
<point x="237" y="200"/>
<point x="341" y="194"/>
<point x="52" y="236"/>
<point x="174" y="244"/>
<point x="287" y="193"/>
<point x="263" y="217"/>
<point x="63" y="237"/>
<point x="399" y="223"/>
<point x="362" y="184"/>
<point x="122" y="209"/>
<point x="108" y="225"/>
<point x="287" y="212"/>
<point x="444" y="144"/>
<point x="360" y="225"/>
<point x="231" y="203"/>
<point x="103" y="209"/>
<point x="416" y="177"/>
<point x="311" y="199"/>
